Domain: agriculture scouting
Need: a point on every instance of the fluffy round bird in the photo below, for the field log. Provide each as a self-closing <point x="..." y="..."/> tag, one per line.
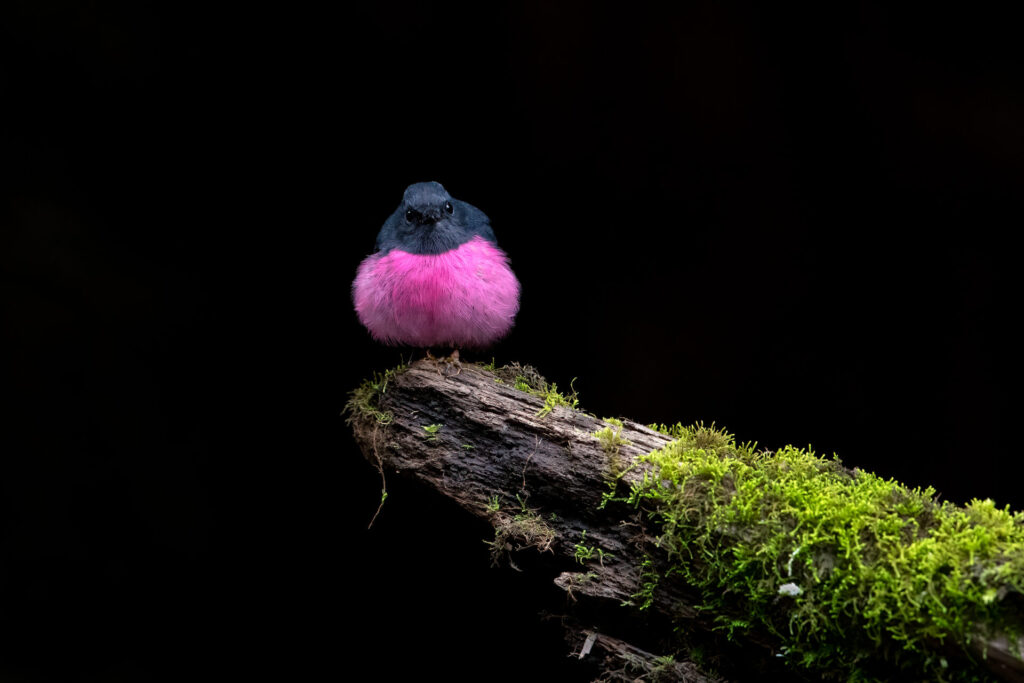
<point x="437" y="278"/>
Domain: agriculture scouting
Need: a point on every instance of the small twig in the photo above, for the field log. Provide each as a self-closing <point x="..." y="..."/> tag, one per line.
<point x="383" y="482"/>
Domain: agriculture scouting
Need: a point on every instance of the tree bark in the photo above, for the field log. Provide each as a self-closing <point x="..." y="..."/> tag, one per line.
<point x="538" y="477"/>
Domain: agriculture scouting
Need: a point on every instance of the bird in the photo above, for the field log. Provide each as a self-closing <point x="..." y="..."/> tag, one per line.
<point x="437" y="277"/>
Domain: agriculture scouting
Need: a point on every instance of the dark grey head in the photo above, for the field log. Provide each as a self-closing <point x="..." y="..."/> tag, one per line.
<point x="431" y="221"/>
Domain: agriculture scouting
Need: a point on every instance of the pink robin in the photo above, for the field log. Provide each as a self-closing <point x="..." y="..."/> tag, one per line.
<point x="438" y="278"/>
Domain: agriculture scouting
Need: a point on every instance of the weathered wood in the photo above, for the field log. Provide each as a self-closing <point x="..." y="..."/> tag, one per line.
<point x="538" y="476"/>
<point x="623" y="661"/>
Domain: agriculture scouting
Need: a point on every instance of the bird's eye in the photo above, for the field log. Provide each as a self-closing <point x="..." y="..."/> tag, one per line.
<point x="410" y="215"/>
<point x="449" y="208"/>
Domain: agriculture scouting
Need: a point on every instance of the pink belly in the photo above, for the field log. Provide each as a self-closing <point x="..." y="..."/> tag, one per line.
<point x="465" y="298"/>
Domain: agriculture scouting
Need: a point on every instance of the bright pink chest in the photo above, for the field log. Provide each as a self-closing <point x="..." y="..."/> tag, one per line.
<point x="467" y="297"/>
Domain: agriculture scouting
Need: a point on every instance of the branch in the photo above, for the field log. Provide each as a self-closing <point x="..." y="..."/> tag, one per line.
<point x="541" y="473"/>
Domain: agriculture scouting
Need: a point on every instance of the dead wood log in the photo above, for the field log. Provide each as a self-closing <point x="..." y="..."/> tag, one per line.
<point x="537" y="473"/>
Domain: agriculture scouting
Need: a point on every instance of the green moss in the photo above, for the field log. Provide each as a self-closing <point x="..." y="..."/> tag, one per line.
<point x="431" y="431"/>
<point x="525" y="529"/>
<point x="611" y="443"/>
<point x="365" y="400"/>
<point x="611" y="435"/>
<point x="836" y="565"/>
<point x="526" y="378"/>
<point x="584" y="553"/>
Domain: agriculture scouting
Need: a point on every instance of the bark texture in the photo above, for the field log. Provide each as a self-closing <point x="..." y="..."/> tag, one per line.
<point x="537" y="475"/>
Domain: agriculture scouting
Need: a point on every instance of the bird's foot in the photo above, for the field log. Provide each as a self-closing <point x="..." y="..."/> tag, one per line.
<point x="453" y="361"/>
<point x="446" y="365"/>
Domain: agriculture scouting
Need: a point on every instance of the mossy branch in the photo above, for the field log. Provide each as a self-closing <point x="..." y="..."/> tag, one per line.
<point x="698" y="547"/>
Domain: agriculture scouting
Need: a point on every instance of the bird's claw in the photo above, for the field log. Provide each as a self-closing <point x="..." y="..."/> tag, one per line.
<point x="453" y="360"/>
<point x="445" y="364"/>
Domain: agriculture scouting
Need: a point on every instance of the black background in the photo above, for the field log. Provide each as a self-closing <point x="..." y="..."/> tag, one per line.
<point x="795" y="223"/>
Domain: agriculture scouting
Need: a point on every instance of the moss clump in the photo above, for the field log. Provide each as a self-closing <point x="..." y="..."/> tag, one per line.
<point x="612" y="441"/>
<point x="365" y="400"/>
<point x="430" y="431"/>
<point x="611" y="437"/>
<point x="838" y="565"/>
<point x="526" y="378"/>
<point x="583" y="553"/>
<point x="525" y="529"/>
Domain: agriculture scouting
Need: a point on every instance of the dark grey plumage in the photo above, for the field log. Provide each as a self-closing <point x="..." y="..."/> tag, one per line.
<point x="431" y="221"/>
